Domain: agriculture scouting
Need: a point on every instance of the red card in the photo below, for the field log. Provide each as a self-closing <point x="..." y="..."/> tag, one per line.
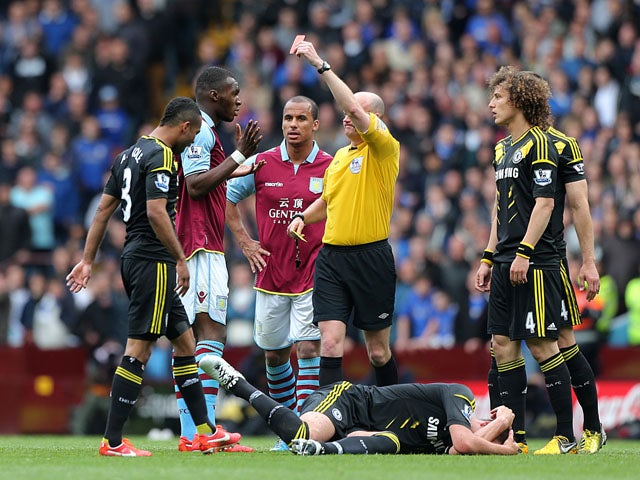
<point x="295" y="43"/>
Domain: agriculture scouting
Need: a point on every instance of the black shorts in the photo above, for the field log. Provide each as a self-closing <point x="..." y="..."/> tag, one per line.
<point x="155" y="309"/>
<point x="333" y="398"/>
<point x="569" y="310"/>
<point x="359" y="278"/>
<point x="524" y="311"/>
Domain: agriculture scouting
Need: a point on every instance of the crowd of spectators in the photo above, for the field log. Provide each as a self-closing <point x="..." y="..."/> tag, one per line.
<point x="81" y="79"/>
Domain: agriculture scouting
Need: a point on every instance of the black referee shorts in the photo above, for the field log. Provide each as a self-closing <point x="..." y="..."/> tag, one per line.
<point x="155" y="309"/>
<point x="359" y="278"/>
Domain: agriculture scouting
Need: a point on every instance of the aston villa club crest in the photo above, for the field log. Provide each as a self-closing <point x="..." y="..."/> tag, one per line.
<point x="221" y="302"/>
<point x="315" y="185"/>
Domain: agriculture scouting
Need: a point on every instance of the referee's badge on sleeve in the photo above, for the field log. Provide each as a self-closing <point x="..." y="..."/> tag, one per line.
<point x="315" y="184"/>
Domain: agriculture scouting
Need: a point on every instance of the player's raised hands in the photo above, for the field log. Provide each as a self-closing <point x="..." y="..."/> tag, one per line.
<point x="247" y="141"/>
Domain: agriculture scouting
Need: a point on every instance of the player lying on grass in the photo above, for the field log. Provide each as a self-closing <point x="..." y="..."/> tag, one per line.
<point x="407" y="418"/>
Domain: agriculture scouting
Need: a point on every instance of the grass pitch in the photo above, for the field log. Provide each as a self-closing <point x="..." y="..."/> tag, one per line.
<point x="76" y="458"/>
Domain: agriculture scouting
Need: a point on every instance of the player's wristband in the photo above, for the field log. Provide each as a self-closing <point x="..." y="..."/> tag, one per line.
<point x="524" y="250"/>
<point x="238" y="157"/>
<point x="487" y="257"/>
<point x="298" y="215"/>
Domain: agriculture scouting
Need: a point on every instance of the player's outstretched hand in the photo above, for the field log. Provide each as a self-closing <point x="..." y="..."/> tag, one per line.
<point x="247" y="141"/>
<point x="79" y="276"/>
<point x="244" y="170"/>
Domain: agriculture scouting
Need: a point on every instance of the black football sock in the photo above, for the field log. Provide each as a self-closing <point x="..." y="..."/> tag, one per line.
<point x="492" y="383"/>
<point x="558" y="381"/>
<point x="125" y="388"/>
<point x="387" y="374"/>
<point x="330" y="370"/>
<point x="583" y="382"/>
<point x="383" y="442"/>
<point x="185" y="373"/>
<point x="512" y="381"/>
<point x="283" y="421"/>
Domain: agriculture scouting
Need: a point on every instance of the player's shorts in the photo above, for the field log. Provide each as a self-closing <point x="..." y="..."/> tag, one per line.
<point x="524" y="311"/>
<point x="329" y="400"/>
<point x="361" y="278"/>
<point x="155" y="308"/>
<point x="208" y="287"/>
<point x="282" y="320"/>
<point x="569" y="310"/>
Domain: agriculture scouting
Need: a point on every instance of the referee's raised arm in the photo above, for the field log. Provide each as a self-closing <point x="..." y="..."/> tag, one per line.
<point x="343" y="95"/>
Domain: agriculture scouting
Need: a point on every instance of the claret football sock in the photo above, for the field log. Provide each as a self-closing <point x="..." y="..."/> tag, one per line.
<point x="281" y="382"/>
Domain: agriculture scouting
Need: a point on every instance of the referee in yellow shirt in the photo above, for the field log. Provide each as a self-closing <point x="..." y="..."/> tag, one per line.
<point x="355" y="271"/>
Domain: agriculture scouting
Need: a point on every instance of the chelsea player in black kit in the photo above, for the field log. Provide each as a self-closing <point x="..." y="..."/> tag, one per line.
<point x="361" y="419"/>
<point x="143" y="182"/>
<point x="521" y="265"/>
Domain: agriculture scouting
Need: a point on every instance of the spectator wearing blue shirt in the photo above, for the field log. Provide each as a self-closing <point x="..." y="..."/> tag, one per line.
<point x="66" y="201"/>
<point x="482" y="24"/>
<point x="113" y="119"/>
<point x="414" y="313"/>
<point x="91" y="156"/>
<point x="57" y="24"/>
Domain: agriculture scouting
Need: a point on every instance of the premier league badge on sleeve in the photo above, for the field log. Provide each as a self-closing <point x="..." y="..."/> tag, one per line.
<point x="542" y="177"/>
<point x="194" y="152"/>
<point x="162" y="182"/>
<point x="315" y="185"/>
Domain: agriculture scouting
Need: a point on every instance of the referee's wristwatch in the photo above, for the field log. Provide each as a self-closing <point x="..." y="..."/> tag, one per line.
<point x="325" y="66"/>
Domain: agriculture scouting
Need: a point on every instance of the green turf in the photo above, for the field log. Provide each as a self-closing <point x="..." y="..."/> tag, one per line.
<point x="76" y="458"/>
